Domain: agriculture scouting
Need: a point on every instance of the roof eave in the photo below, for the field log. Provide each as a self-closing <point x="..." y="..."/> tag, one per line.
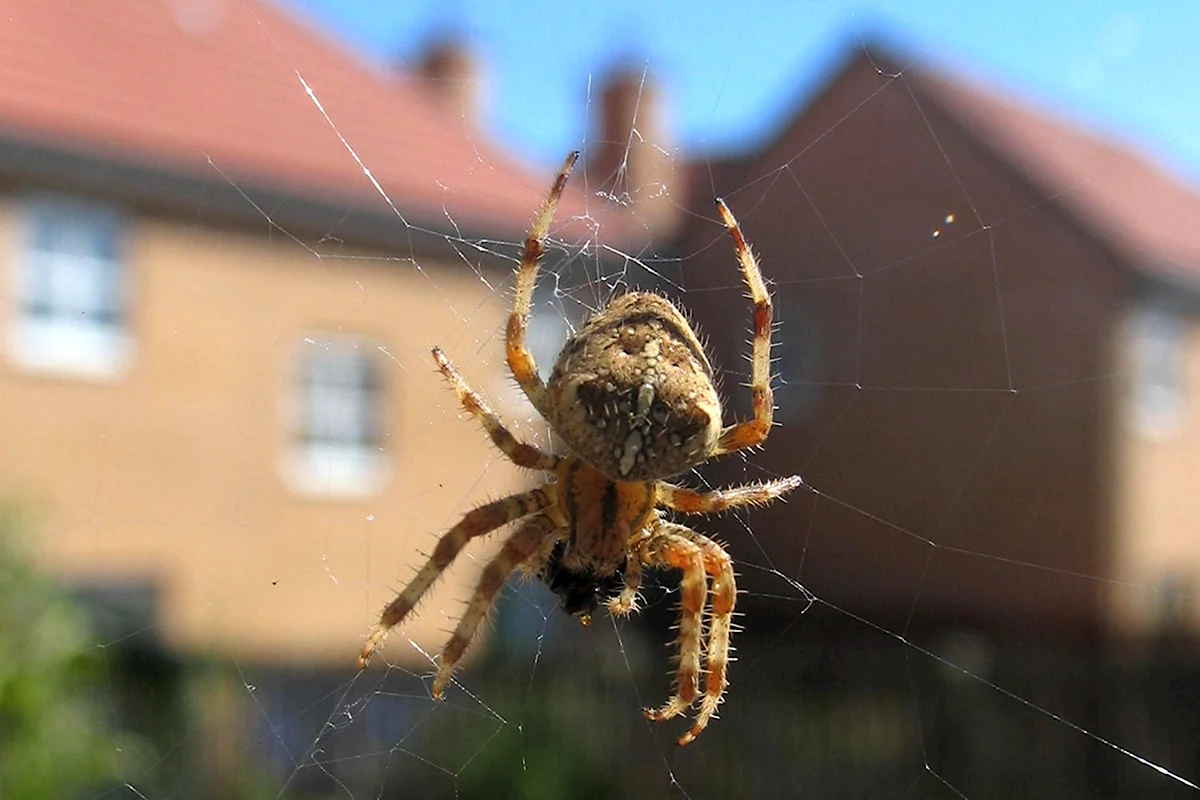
<point x="234" y="200"/>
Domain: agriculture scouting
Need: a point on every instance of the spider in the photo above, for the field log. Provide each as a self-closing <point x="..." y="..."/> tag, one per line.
<point x="632" y="397"/>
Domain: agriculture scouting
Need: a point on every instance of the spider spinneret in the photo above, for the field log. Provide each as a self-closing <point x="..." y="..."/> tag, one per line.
<point x="632" y="395"/>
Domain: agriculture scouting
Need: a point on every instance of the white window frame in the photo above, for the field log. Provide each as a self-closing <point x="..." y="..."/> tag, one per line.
<point x="70" y="292"/>
<point x="336" y="420"/>
<point x="1158" y="391"/>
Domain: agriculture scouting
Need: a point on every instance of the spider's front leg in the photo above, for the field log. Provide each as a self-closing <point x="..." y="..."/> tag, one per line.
<point x="719" y="567"/>
<point x="699" y="558"/>
<point x="520" y="360"/>
<point x="477" y="522"/>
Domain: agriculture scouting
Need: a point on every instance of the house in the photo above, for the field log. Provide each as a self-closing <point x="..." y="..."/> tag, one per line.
<point x="988" y="357"/>
<point x="228" y="247"/>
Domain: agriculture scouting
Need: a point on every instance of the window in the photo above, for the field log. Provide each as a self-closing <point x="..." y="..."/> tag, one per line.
<point x="70" y="291"/>
<point x="1158" y="392"/>
<point x="1173" y="602"/>
<point x="337" y="437"/>
<point x="799" y="364"/>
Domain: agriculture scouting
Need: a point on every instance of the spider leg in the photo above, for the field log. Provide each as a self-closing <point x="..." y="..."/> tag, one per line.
<point x="520" y="453"/>
<point x="719" y="567"/>
<point x="535" y="563"/>
<point x="522" y="546"/>
<point x="700" y="558"/>
<point x="689" y="501"/>
<point x="754" y="431"/>
<point x="625" y="603"/>
<point x="520" y="360"/>
<point x="477" y="522"/>
<point x="666" y="547"/>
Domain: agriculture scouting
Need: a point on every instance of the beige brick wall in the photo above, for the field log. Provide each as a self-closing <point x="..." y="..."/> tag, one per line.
<point x="1158" y="503"/>
<point x="171" y="473"/>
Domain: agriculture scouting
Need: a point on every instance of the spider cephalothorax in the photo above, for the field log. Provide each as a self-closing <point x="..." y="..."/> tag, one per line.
<point x="632" y="396"/>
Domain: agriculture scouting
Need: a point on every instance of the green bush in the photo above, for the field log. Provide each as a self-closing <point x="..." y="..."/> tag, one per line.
<point x="57" y="735"/>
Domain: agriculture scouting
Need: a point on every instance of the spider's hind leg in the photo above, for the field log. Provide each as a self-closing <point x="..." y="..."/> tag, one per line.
<point x="520" y="360"/>
<point x="754" y="431"/>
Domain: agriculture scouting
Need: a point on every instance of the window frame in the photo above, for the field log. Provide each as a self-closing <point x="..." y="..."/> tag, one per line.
<point x="1158" y="392"/>
<point x="321" y="463"/>
<point x="50" y="331"/>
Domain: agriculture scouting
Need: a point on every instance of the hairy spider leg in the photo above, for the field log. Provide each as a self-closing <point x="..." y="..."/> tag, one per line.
<point x="700" y="558"/>
<point x="519" y="548"/>
<point x="689" y="501"/>
<point x="667" y="548"/>
<point x="520" y="360"/>
<point x="520" y="453"/>
<point x="625" y="603"/>
<point x="754" y="431"/>
<point x="723" y="591"/>
<point x="475" y="523"/>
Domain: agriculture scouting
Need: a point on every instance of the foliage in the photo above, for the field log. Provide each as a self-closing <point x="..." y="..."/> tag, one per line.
<point x="57" y="738"/>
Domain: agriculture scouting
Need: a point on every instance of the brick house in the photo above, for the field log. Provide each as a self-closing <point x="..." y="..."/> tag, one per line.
<point x="988" y="358"/>
<point x="216" y="328"/>
<point x="216" y="376"/>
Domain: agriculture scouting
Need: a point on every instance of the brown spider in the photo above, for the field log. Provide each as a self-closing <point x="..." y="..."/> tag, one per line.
<point x="632" y="396"/>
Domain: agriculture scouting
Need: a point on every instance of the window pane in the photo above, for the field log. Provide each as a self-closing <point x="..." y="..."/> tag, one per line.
<point x="72" y="264"/>
<point x="341" y="398"/>
<point x="339" y="421"/>
<point x="70" y="304"/>
<point x="1158" y="392"/>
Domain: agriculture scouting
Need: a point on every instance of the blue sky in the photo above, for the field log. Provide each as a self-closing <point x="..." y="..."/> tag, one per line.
<point x="732" y="77"/>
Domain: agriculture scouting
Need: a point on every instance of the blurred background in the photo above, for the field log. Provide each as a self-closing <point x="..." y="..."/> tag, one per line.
<point x="230" y="231"/>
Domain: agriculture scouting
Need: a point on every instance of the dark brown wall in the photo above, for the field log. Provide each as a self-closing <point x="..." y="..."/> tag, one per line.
<point x="941" y="394"/>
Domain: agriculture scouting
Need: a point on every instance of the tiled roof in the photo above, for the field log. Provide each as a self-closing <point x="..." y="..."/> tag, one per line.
<point x="216" y="87"/>
<point x="212" y="87"/>
<point x="1148" y="216"/>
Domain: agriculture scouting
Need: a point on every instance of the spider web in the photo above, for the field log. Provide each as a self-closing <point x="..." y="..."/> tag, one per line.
<point x="835" y="692"/>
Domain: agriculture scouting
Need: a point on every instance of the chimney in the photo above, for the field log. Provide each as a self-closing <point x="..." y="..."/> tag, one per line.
<point x="632" y="157"/>
<point x="452" y="76"/>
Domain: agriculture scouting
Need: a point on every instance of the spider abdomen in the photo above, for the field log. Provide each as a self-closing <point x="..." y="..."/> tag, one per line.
<point x="632" y="391"/>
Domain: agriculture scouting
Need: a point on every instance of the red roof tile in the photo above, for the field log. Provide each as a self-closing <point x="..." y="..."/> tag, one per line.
<point x="1146" y="215"/>
<point x="180" y="83"/>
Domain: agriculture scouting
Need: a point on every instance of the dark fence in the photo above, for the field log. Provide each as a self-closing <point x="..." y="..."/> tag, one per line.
<point x="817" y="708"/>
